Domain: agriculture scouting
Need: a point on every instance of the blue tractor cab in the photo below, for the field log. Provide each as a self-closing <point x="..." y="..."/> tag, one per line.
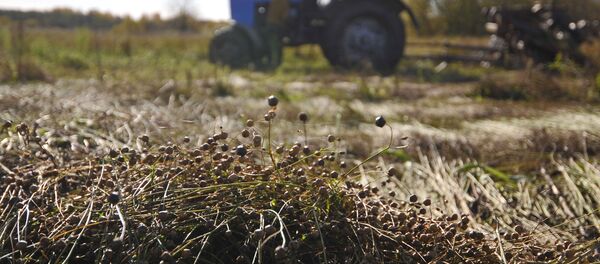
<point x="351" y="33"/>
<point x="244" y="12"/>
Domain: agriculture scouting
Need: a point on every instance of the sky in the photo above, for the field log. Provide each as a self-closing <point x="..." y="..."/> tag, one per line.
<point x="206" y="9"/>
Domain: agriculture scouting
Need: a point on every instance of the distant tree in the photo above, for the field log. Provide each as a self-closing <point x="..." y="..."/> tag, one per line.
<point x="185" y="14"/>
<point x="128" y="26"/>
<point x="97" y="19"/>
<point x="63" y="18"/>
<point x="145" y="23"/>
<point x="185" y="20"/>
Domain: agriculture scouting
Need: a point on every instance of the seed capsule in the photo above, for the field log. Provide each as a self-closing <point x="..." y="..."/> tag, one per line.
<point x="258" y="234"/>
<point x="303" y="117"/>
<point x="393" y="172"/>
<point x="413" y="198"/>
<point x="475" y="235"/>
<point x="113" y="153"/>
<point x="320" y="162"/>
<point x="116" y="244"/>
<point x="224" y="147"/>
<point x="334" y="174"/>
<point x="245" y="133"/>
<point x="233" y="178"/>
<point x="114" y="198"/>
<point x="45" y="242"/>
<point x="224" y="135"/>
<point x="241" y="150"/>
<point x="306" y="150"/>
<point x="520" y="229"/>
<point x="362" y="194"/>
<point x="380" y="121"/>
<point x="21" y="245"/>
<point x="279" y="150"/>
<point x="427" y="202"/>
<point x="280" y="252"/>
<point x="269" y="229"/>
<point x="273" y="101"/>
<point x="144" y="138"/>
<point x="257" y="140"/>
<point x="330" y="138"/>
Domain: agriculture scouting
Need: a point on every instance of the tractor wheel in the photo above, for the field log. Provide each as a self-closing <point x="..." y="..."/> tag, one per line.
<point x="364" y="35"/>
<point x="231" y="47"/>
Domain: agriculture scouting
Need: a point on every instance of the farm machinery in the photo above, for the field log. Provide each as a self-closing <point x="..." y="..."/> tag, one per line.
<point x="540" y="33"/>
<point x="371" y="33"/>
<point x="351" y="33"/>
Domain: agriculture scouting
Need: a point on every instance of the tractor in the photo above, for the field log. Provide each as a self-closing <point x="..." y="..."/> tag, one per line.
<point x="352" y="34"/>
<point x="540" y="32"/>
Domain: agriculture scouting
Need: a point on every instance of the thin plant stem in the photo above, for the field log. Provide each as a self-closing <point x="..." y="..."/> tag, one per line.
<point x="374" y="155"/>
<point x="269" y="146"/>
<point x="305" y="135"/>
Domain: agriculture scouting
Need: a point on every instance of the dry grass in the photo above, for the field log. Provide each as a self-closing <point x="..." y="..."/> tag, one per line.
<point x="28" y="70"/>
<point x="498" y="133"/>
<point x="561" y="204"/>
<point x="536" y="85"/>
<point x="81" y="121"/>
<point x="64" y="200"/>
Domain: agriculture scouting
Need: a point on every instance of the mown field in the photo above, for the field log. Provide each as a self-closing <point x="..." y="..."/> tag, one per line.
<point x="125" y="148"/>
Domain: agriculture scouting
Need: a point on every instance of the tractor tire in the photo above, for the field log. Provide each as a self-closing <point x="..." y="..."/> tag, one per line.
<point x="364" y="35"/>
<point x="231" y="47"/>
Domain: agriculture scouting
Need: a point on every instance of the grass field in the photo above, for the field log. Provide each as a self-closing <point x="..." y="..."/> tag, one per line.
<point x="489" y="165"/>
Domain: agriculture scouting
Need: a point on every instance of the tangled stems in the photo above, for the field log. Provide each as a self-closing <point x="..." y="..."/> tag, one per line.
<point x="123" y="222"/>
<point x="280" y="232"/>
<point x="389" y="146"/>
<point x="320" y="219"/>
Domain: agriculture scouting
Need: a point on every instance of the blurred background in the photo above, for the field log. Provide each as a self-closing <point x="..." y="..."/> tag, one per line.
<point x="444" y="93"/>
<point x="87" y="38"/>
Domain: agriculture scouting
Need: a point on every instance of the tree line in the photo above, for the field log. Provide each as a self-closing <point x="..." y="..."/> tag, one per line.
<point x="437" y="17"/>
<point x="66" y="18"/>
